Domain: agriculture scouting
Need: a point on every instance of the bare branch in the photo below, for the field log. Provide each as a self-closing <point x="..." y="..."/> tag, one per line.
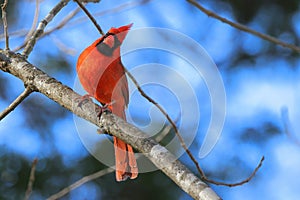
<point x="202" y="174"/>
<point x="35" y="20"/>
<point x="16" y="102"/>
<point x="238" y="183"/>
<point x="63" y="47"/>
<point x="5" y="27"/>
<point x="14" y="34"/>
<point x="42" y="25"/>
<point x="118" y="8"/>
<point x="91" y="17"/>
<point x="66" y="97"/>
<point x="63" y="22"/>
<point x="31" y="179"/>
<point x="170" y="121"/>
<point x="57" y="27"/>
<point x="70" y="16"/>
<point x="245" y="28"/>
<point x="80" y="182"/>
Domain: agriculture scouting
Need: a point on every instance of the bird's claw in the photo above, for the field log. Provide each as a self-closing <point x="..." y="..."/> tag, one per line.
<point x="104" y="108"/>
<point x="83" y="99"/>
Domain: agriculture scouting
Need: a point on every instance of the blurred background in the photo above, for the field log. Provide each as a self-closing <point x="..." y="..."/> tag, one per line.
<point x="261" y="81"/>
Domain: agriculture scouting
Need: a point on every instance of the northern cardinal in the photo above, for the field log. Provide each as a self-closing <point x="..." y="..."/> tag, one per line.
<point x="102" y="75"/>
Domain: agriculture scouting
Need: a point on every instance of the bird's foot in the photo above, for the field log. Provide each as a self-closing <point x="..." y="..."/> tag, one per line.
<point x="104" y="108"/>
<point x="84" y="99"/>
<point x="100" y="111"/>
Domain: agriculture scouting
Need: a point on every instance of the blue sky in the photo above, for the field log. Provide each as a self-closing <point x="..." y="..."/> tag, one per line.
<point x="255" y="93"/>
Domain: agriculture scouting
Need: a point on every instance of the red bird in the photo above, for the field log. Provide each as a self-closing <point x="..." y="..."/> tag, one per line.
<point x="102" y="75"/>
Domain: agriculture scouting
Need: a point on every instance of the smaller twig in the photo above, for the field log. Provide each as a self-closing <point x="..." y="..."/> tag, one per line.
<point x="80" y="182"/>
<point x="16" y="102"/>
<point x="170" y="121"/>
<point x="100" y="173"/>
<point x="42" y="25"/>
<point x="118" y="8"/>
<point x="91" y="17"/>
<point x="3" y="8"/>
<point x="31" y="180"/>
<point x="63" y="22"/>
<point x="202" y="174"/>
<point x="238" y="183"/>
<point x="63" y="47"/>
<point x="80" y="20"/>
<point x="245" y="28"/>
<point x="51" y="30"/>
<point x="14" y="34"/>
<point x="35" y="20"/>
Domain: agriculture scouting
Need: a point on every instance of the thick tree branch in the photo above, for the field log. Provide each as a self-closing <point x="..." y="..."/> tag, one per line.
<point x="66" y="97"/>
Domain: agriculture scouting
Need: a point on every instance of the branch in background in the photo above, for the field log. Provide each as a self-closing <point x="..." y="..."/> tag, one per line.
<point x="66" y="97"/>
<point x="288" y="129"/>
<point x="31" y="179"/>
<point x="63" y="22"/>
<point x="3" y="8"/>
<point x="14" y="34"/>
<point x="245" y="28"/>
<point x="80" y="182"/>
<point x="28" y="90"/>
<point x="100" y="173"/>
<point x="116" y="9"/>
<point x="42" y="25"/>
<point x="59" y="26"/>
<point x="35" y="20"/>
<point x="62" y="46"/>
<point x="66" y="20"/>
